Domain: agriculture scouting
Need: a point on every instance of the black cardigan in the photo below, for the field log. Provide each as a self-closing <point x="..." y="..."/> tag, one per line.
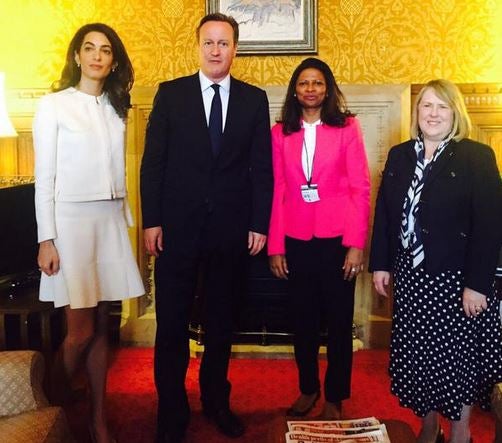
<point x="460" y="212"/>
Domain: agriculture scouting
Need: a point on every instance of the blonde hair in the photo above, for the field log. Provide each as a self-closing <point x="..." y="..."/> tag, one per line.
<point x="448" y="92"/>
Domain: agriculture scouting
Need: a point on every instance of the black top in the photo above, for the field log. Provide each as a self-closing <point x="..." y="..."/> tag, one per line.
<point x="460" y="212"/>
<point x="499" y="265"/>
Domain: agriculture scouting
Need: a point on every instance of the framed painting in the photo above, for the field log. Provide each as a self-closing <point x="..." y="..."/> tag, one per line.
<point x="272" y="26"/>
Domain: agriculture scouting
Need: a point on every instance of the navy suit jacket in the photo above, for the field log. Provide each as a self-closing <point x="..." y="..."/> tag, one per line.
<point x="184" y="188"/>
<point x="460" y="212"/>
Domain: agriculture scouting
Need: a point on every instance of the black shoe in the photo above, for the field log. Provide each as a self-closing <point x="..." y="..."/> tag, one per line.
<point x="306" y="405"/>
<point x="440" y="436"/>
<point x="226" y="421"/>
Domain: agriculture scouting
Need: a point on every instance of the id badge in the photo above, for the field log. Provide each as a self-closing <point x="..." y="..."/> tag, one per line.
<point x="309" y="193"/>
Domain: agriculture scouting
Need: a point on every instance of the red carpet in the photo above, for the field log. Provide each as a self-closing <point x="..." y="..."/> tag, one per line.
<point x="262" y="390"/>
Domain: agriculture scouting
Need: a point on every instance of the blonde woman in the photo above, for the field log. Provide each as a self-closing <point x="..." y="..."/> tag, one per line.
<point x="437" y="233"/>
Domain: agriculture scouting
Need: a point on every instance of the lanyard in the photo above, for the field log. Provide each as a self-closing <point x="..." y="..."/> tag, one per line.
<point x="310" y="167"/>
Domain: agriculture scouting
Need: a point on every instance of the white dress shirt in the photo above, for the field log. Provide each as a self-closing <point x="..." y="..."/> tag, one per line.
<point x="308" y="148"/>
<point x="208" y="94"/>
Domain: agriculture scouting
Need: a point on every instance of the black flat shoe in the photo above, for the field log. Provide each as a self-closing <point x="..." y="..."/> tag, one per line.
<point x="226" y="421"/>
<point x="295" y="411"/>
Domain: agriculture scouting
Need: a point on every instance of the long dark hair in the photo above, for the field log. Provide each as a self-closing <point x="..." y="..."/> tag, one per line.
<point x="334" y="110"/>
<point x="120" y="80"/>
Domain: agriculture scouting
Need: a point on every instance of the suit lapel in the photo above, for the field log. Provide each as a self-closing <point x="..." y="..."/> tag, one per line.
<point x="444" y="158"/>
<point x="196" y="104"/>
<point x="295" y="151"/>
<point x="411" y="153"/>
<point x="410" y="161"/>
<point x="234" y="102"/>
<point x="197" y="112"/>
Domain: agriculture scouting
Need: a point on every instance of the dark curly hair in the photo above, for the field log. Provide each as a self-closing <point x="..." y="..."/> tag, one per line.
<point x="118" y="83"/>
<point x="334" y="110"/>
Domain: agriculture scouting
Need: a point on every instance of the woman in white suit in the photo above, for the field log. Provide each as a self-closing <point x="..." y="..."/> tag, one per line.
<point x="81" y="204"/>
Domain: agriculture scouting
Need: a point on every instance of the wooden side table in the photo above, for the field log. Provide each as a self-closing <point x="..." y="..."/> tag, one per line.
<point x="25" y="304"/>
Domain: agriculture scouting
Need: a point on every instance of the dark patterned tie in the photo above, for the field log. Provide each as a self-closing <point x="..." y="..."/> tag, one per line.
<point x="216" y="121"/>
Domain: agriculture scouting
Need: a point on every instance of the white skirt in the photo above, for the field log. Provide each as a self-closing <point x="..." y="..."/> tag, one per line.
<point x="95" y="256"/>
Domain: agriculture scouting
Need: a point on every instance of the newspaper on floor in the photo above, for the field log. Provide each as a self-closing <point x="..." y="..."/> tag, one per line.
<point x="346" y="431"/>
<point x="314" y="424"/>
<point x="364" y="437"/>
<point x="334" y="431"/>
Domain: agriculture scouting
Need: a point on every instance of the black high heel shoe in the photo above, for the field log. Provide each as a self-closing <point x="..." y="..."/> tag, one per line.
<point x="440" y="436"/>
<point x="331" y="411"/>
<point x="294" y="411"/>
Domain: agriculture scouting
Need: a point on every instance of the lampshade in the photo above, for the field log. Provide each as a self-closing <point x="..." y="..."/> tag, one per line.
<point x="6" y="128"/>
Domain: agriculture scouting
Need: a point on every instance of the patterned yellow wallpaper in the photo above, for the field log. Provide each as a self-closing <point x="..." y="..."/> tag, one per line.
<point x="365" y="41"/>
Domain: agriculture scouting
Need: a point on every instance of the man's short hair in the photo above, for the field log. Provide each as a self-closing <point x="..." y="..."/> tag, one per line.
<point x="219" y="17"/>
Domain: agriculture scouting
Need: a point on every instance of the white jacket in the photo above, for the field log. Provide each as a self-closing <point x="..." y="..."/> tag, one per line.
<point x="79" y="153"/>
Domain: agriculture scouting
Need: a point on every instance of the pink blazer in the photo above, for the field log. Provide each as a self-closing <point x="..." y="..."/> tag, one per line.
<point x="341" y="173"/>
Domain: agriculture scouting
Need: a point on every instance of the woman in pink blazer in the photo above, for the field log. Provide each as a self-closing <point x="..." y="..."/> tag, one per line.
<point x="318" y="227"/>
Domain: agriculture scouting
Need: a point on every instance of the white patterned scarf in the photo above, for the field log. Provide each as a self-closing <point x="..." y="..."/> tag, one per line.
<point x="410" y="230"/>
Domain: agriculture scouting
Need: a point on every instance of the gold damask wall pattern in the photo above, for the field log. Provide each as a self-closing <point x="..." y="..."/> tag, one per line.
<point x="391" y="41"/>
<point x="365" y="41"/>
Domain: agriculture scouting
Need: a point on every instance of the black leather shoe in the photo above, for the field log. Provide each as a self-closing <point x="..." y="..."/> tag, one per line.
<point x="303" y="405"/>
<point x="226" y="421"/>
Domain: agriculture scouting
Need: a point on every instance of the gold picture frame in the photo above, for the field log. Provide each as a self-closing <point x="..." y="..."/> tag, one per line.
<point x="271" y="26"/>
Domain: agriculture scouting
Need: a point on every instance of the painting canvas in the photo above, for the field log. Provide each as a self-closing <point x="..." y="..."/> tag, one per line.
<point x="272" y="26"/>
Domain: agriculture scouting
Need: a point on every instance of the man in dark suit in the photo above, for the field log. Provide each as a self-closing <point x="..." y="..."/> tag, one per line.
<point x="206" y="185"/>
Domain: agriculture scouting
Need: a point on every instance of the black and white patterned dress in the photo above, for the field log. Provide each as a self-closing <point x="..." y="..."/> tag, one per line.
<point x="440" y="358"/>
